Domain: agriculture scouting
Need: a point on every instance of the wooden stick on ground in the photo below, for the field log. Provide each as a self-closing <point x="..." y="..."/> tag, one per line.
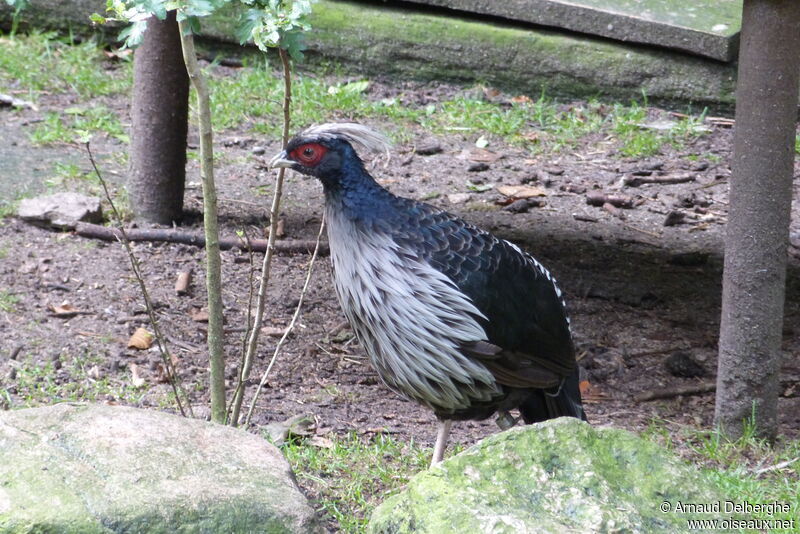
<point x="170" y="235"/>
<point x="668" y="393"/>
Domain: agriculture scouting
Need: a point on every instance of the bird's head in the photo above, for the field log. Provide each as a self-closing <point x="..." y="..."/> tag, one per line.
<point x="326" y="151"/>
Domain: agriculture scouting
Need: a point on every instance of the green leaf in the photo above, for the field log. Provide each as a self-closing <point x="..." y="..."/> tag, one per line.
<point x="19" y="5"/>
<point x="480" y="188"/>
<point x="355" y="88"/>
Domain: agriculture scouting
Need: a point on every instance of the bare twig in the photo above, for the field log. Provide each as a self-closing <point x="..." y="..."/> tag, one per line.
<point x="172" y="375"/>
<point x="216" y="339"/>
<point x="668" y="393"/>
<point x="252" y="342"/>
<point x="642" y="230"/>
<point x="239" y="391"/>
<point x="776" y="467"/>
<point x="290" y="328"/>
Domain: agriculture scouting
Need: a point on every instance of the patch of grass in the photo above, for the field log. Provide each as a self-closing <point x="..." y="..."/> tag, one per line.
<point x="65" y="173"/>
<point x="8" y="301"/>
<point x="707" y="156"/>
<point x="45" y="61"/>
<point x="8" y="208"/>
<point x="634" y="140"/>
<point x="38" y="384"/>
<point x="747" y="469"/>
<point x="51" y="130"/>
<point x="75" y="123"/>
<point x="253" y="97"/>
<point x="797" y="144"/>
<point x="637" y="140"/>
<point x="354" y="475"/>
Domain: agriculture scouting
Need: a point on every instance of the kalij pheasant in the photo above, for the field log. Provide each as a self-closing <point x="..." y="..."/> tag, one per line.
<point x="450" y="316"/>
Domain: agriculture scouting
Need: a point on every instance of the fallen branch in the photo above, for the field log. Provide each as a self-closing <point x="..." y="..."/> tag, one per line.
<point x="598" y="198"/>
<point x="636" y="181"/>
<point x="169" y="235"/>
<point x="669" y="393"/>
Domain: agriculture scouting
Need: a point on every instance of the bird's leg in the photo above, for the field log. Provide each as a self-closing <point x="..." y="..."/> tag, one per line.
<point x="505" y="420"/>
<point x="441" y="440"/>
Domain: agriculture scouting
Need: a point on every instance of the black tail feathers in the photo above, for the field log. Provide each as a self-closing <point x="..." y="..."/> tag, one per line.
<point x="563" y="401"/>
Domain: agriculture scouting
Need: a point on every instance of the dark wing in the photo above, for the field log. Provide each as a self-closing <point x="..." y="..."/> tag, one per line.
<point x="525" y="320"/>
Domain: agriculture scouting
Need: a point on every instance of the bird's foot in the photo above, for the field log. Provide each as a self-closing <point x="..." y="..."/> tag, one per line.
<point x="505" y="420"/>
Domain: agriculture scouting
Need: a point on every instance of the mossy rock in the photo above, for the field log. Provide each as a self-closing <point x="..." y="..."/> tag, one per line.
<point x="74" y="468"/>
<point x="401" y="42"/>
<point x="559" y="476"/>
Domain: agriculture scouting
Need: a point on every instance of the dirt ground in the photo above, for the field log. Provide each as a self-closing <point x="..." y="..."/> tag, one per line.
<point x="639" y="292"/>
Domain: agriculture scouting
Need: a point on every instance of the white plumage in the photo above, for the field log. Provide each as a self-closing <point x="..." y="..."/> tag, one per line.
<point x="410" y="318"/>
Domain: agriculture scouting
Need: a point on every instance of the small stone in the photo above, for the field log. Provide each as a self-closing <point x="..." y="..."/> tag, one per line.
<point x="518" y="206"/>
<point x="458" y="198"/>
<point x="15" y="352"/>
<point x="577" y="189"/>
<point x="258" y="150"/>
<point x="429" y="149"/>
<point x="555" y="171"/>
<point x="674" y="218"/>
<point x="478" y="167"/>
<point x="654" y="166"/>
<point x="684" y="365"/>
<point x="700" y="166"/>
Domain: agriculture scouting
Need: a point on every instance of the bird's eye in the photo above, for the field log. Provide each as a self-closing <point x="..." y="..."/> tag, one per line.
<point x="309" y="154"/>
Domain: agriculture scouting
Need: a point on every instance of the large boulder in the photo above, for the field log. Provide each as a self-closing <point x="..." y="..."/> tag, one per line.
<point x="559" y="476"/>
<point x="73" y="468"/>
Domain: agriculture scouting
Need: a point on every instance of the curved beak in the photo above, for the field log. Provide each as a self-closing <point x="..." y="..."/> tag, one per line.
<point x="281" y="160"/>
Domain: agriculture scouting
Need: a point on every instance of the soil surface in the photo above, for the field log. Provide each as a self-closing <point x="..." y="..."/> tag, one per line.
<point x="644" y="298"/>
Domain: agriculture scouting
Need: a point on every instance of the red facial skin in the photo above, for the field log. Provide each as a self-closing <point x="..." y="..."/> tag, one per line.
<point x="308" y="154"/>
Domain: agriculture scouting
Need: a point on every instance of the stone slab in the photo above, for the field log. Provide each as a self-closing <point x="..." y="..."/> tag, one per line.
<point x="378" y="39"/>
<point x="393" y="41"/>
<point x="80" y="469"/>
<point x="708" y="28"/>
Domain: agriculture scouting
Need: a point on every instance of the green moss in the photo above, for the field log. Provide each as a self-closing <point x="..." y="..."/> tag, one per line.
<point x="393" y="40"/>
<point x="559" y="476"/>
<point x="701" y="16"/>
<point x="86" y="469"/>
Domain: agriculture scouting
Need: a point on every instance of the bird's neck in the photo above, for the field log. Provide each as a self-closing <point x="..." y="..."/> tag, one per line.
<point x="356" y="196"/>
